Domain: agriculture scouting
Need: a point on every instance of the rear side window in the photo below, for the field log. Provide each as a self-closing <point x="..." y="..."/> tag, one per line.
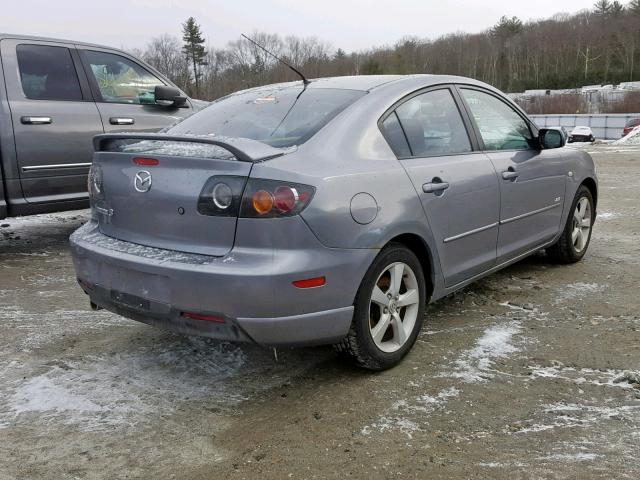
<point x="634" y="122"/>
<point x="501" y="127"/>
<point x="433" y="125"/>
<point x="121" y="80"/>
<point x="47" y="73"/>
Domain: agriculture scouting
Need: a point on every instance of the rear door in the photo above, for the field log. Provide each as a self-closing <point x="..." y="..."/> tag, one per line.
<point x="532" y="181"/>
<point x="124" y="93"/>
<point x="54" y="118"/>
<point x="458" y="186"/>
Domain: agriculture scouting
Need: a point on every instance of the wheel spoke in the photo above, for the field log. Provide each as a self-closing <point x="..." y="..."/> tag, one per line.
<point x="586" y="223"/>
<point x="397" y="271"/>
<point x="408" y="298"/>
<point x="584" y="203"/>
<point x="580" y="241"/>
<point x="379" y="297"/>
<point x="399" y="333"/>
<point x="574" y="235"/>
<point x="381" y="328"/>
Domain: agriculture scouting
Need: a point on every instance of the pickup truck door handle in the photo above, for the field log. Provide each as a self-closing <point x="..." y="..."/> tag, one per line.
<point x="435" y="186"/>
<point x="35" y="120"/>
<point x="510" y="174"/>
<point x="121" y="121"/>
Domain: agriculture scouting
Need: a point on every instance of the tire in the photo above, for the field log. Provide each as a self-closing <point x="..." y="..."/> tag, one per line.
<point x="592" y="138"/>
<point x="569" y="249"/>
<point x="372" y="312"/>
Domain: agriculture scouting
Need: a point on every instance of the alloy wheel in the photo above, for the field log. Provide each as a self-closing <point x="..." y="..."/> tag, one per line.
<point x="394" y="307"/>
<point x="581" y="224"/>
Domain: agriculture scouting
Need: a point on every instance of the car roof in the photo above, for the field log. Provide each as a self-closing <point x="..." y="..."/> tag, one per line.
<point x="15" y="36"/>
<point x="366" y="83"/>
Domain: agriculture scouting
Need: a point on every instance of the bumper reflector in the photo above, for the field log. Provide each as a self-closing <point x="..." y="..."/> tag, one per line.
<point x="205" y="318"/>
<point x="310" y="282"/>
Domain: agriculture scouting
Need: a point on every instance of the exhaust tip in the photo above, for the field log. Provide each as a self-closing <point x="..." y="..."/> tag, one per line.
<point x="94" y="306"/>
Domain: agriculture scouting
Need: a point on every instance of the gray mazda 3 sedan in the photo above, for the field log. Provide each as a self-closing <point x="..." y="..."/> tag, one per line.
<point x="327" y="213"/>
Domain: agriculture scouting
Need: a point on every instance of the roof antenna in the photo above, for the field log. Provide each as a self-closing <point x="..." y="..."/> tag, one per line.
<point x="304" y="79"/>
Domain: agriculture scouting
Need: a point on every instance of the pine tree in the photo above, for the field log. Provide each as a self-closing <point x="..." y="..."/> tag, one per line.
<point x="341" y="54"/>
<point x="194" y="48"/>
<point x="617" y="8"/>
<point x="634" y="7"/>
<point x="602" y="7"/>
<point x="503" y="31"/>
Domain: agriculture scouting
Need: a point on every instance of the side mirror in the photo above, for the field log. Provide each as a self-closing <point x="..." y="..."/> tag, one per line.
<point x="169" y="96"/>
<point x="550" y="138"/>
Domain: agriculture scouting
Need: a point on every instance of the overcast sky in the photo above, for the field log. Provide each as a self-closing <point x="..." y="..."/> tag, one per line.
<point x="348" y="24"/>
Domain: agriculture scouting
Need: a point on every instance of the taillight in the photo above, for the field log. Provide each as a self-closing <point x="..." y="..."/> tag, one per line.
<point x="254" y="198"/>
<point x="274" y="198"/>
<point x="221" y="196"/>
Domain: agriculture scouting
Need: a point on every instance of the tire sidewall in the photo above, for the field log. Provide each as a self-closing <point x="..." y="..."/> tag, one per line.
<point x="391" y="254"/>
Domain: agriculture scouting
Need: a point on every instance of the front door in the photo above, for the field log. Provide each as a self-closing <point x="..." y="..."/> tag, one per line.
<point x="124" y="92"/>
<point x="458" y="186"/>
<point x="532" y="181"/>
<point x="54" y="119"/>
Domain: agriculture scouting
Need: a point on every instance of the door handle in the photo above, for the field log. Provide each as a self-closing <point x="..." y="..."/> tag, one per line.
<point x="510" y="174"/>
<point x="121" y="121"/>
<point x="435" y="186"/>
<point x="35" y="120"/>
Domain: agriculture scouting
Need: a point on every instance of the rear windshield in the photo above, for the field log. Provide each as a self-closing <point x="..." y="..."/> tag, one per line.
<point x="280" y="117"/>
<point x="634" y="122"/>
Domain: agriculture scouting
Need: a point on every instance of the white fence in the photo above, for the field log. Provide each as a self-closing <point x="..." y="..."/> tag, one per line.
<point x="604" y="126"/>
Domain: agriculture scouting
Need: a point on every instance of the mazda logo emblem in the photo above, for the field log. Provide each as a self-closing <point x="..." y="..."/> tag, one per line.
<point x="142" y="181"/>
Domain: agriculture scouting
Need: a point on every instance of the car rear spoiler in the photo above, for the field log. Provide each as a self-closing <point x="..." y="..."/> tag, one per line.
<point x="244" y="149"/>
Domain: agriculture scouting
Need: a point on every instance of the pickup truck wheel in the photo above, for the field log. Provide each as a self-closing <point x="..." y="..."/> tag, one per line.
<point x="389" y="310"/>
<point x="575" y="238"/>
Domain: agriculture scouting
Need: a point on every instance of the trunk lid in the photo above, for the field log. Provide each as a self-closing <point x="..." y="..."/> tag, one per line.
<point x="157" y="205"/>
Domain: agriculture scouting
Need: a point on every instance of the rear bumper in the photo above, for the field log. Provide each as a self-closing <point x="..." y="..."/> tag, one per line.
<point x="249" y="290"/>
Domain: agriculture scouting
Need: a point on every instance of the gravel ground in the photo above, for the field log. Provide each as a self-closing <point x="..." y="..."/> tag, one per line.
<point x="529" y="373"/>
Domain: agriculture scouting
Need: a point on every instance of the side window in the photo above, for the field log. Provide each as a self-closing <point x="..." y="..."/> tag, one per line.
<point x="433" y="125"/>
<point x="395" y="136"/>
<point x="121" y="80"/>
<point x="501" y="127"/>
<point x="47" y="73"/>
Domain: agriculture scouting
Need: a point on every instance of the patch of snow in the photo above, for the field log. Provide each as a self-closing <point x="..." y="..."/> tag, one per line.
<point x="608" y="378"/>
<point x="126" y="389"/>
<point x="572" y="457"/>
<point x="385" y="424"/>
<point x="474" y="365"/>
<point x="572" y="415"/>
<point x="608" y="215"/>
<point x="633" y="138"/>
<point x="396" y="418"/>
<point x="578" y="290"/>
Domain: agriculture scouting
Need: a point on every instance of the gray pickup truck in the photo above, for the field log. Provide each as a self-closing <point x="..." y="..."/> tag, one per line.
<point x="55" y="95"/>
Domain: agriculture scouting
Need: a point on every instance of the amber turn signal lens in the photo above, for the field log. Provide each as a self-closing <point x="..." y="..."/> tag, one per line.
<point x="262" y="202"/>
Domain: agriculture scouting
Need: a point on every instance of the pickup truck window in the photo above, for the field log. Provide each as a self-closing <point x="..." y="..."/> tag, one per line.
<point x="47" y="73"/>
<point x="121" y="80"/>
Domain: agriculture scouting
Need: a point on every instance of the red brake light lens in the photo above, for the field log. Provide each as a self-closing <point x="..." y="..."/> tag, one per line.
<point x="146" y="162"/>
<point x="285" y="198"/>
<point x="274" y="198"/>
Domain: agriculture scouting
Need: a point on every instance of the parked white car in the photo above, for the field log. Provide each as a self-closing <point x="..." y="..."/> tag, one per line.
<point x="581" y="134"/>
